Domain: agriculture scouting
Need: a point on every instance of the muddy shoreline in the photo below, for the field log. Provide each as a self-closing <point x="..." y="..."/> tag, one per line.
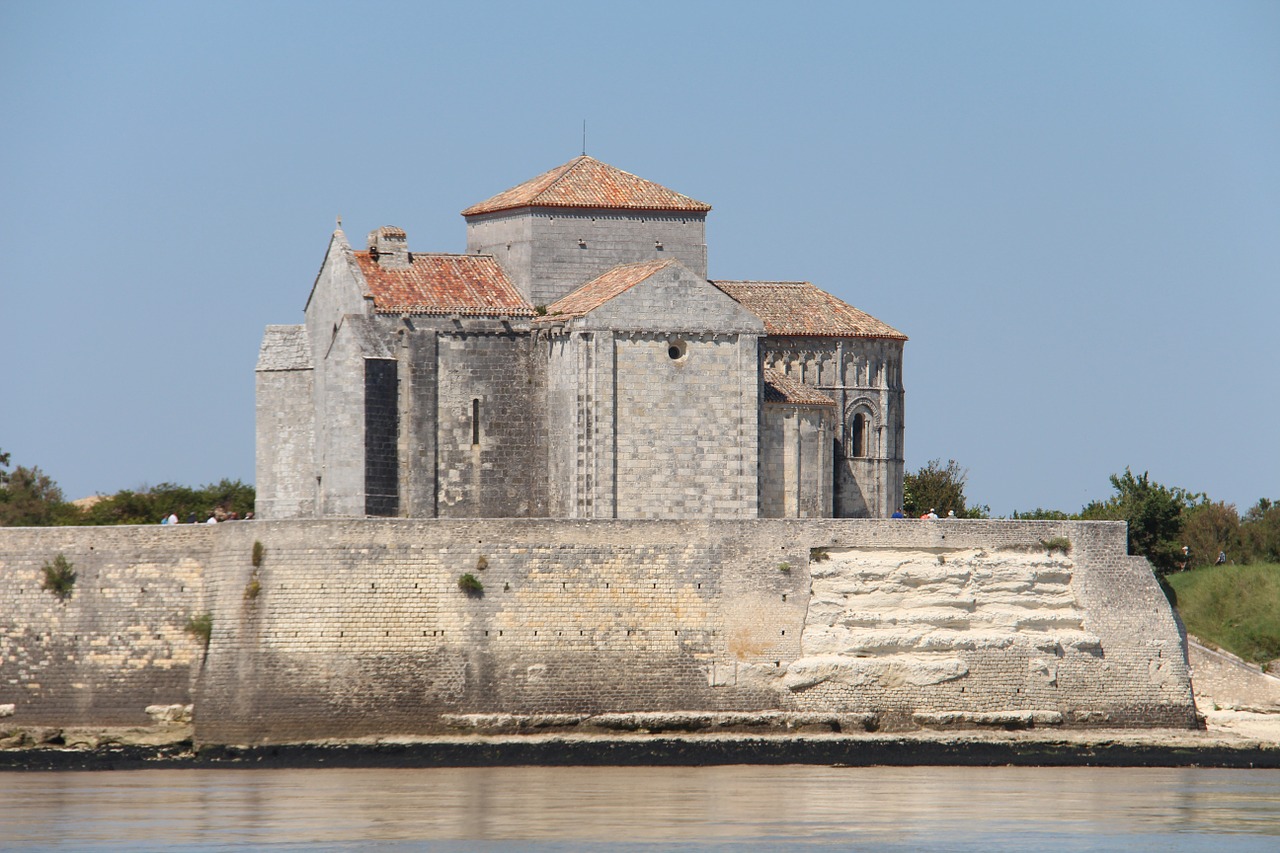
<point x="1120" y="748"/>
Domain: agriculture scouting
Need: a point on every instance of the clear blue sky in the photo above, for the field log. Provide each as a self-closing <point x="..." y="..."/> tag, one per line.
<point x="1073" y="209"/>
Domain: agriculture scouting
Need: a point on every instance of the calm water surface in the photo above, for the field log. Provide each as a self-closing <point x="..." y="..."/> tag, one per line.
<point x="643" y="809"/>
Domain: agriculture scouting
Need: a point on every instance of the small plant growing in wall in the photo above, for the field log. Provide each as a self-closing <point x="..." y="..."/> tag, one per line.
<point x="818" y="555"/>
<point x="200" y="627"/>
<point x="470" y="584"/>
<point x="785" y="568"/>
<point x="540" y="310"/>
<point x="253" y="588"/>
<point x="1057" y="543"/>
<point x="258" y="552"/>
<point x="59" y="577"/>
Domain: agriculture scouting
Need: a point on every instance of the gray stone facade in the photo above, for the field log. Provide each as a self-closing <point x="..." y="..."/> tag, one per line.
<point x="575" y="363"/>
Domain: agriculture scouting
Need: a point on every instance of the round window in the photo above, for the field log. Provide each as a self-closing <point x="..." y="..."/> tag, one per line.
<point x="676" y="350"/>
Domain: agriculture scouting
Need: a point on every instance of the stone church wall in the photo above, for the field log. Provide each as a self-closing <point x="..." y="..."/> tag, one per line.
<point x="796" y="461"/>
<point x="686" y="431"/>
<point x="286" y="444"/>
<point x="360" y="628"/>
<point x="490" y="444"/>
<point x="862" y="376"/>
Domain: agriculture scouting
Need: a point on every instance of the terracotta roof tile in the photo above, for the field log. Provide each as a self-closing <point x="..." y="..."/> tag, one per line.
<point x="780" y="388"/>
<point x="601" y="289"/>
<point x="586" y="182"/>
<point x="797" y="308"/>
<point x="443" y="284"/>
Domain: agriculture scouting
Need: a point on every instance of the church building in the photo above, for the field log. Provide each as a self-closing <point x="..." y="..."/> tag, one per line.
<point x="575" y="362"/>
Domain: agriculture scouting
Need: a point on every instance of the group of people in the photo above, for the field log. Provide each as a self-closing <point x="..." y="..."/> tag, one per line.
<point x="932" y="514"/>
<point x="1186" y="559"/>
<point x="215" y="516"/>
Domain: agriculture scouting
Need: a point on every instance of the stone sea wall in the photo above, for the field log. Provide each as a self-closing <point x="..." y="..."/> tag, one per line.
<point x="357" y="628"/>
<point x="118" y="643"/>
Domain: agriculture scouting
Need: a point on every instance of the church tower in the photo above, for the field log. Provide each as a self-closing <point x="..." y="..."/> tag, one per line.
<point x="579" y="220"/>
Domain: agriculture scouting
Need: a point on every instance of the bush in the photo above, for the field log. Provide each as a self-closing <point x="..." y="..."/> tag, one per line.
<point x="818" y="555"/>
<point x="258" y="551"/>
<point x="200" y="626"/>
<point x="785" y="568"/>
<point x="1056" y="543"/>
<point x="470" y="584"/>
<point x="59" y="577"/>
<point x="253" y="588"/>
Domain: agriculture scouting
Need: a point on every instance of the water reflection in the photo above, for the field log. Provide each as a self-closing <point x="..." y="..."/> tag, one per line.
<point x="709" y="808"/>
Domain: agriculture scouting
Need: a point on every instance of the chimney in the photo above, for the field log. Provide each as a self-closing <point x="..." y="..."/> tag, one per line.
<point x="389" y="246"/>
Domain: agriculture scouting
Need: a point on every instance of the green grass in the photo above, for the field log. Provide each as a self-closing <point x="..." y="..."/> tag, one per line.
<point x="1235" y="607"/>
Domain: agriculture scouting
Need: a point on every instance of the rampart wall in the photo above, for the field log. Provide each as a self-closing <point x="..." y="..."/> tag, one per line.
<point x="359" y="627"/>
<point x="118" y="643"/>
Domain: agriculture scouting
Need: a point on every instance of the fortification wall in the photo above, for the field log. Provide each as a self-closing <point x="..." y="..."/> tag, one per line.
<point x="118" y="643"/>
<point x="358" y="627"/>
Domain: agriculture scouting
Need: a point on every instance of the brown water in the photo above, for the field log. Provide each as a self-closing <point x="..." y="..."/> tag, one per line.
<point x="712" y="808"/>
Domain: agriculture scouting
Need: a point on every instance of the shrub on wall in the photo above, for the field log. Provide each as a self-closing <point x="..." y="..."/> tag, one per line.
<point x="59" y="577"/>
<point x="470" y="584"/>
<point x="258" y="551"/>
<point x="1057" y="543"/>
<point x="200" y="626"/>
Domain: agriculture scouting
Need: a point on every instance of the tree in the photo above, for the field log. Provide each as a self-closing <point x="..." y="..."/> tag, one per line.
<point x="148" y="505"/>
<point x="1154" y="514"/>
<point x="1260" y="532"/>
<point x="940" y="488"/>
<point x="30" y="498"/>
<point x="1211" y="527"/>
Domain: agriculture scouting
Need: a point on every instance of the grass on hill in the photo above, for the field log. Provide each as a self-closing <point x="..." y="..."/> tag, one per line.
<point x="1235" y="607"/>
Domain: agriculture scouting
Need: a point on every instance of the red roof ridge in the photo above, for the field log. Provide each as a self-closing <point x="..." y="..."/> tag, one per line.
<point x="801" y="309"/>
<point x="442" y="283"/>
<point x="585" y="182"/>
<point x="611" y="283"/>
<point x="781" y="388"/>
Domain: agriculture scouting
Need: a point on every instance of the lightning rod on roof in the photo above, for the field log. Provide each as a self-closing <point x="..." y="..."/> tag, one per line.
<point x="339" y="223"/>
<point x="584" y="137"/>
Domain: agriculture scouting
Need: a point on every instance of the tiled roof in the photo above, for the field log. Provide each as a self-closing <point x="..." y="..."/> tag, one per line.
<point x="443" y="284"/>
<point x="780" y="388"/>
<point x="601" y="289"/>
<point x="586" y="182"/>
<point x="284" y="348"/>
<point x="797" y="308"/>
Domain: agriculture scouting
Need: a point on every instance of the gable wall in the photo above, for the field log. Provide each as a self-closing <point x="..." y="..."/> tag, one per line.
<point x="686" y="428"/>
<point x="340" y="447"/>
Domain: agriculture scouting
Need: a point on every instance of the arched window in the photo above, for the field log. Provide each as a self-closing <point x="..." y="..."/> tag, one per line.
<point x="860" y="437"/>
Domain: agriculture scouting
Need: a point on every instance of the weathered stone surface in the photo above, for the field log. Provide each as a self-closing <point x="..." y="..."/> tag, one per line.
<point x="360" y="628"/>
